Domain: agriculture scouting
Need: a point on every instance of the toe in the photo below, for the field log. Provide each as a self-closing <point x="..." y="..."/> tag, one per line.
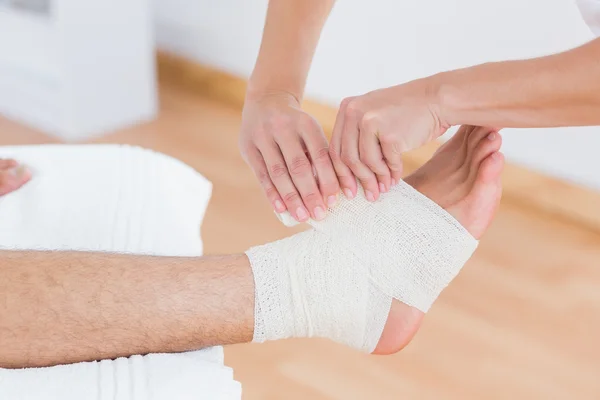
<point x="474" y="144"/>
<point x="476" y="211"/>
<point x="476" y="136"/>
<point x="462" y="136"/>
<point x="490" y="170"/>
<point x="490" y="144"/>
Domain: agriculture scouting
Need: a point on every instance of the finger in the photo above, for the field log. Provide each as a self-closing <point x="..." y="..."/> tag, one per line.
<point x="257" y="163"/>
<point x="278" y="171"/>
<point x="345" y="176"/>
<point x="8" y="163"/>
<point x="13" y="178"/>
<point x="301" y="171"/>
<point x="371" y="155"/>
<point x="351" y="156"/>
<point x="393" y="159"/>
<point x="318" y="150"/>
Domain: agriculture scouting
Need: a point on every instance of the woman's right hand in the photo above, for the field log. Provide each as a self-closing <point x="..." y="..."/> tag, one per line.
<point x="289" y="154"/>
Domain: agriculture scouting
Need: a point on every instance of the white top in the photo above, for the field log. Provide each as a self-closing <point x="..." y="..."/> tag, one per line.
<point x="590" y="9"/>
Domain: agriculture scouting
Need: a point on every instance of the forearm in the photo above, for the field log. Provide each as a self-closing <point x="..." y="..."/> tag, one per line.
<point x="557" y="90"/>
<point x="290" y="37"/>
<point x="64" y="307"/>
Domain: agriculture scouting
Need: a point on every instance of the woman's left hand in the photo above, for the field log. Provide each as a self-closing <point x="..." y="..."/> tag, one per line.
<point x="373" y="130"/>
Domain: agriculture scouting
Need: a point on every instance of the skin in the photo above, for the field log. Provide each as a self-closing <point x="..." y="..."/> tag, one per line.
<point x="373" y="130"/>
<point x="65" y="307"/>
<point x="12" y="176"/>
<point x="552" y="91"/>
<point x="280" y="142"/>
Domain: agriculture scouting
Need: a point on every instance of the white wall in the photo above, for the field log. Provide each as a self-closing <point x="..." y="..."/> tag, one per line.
<point x="79" y="70"/>
<point x="372" y="44"/>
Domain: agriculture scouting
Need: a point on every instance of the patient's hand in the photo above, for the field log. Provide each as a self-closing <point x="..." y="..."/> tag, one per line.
<point x="12" y="176"/>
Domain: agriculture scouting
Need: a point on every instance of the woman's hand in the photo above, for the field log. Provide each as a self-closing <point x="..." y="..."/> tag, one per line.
<point x="373" y="130"/>
<point x="288" y="152"/>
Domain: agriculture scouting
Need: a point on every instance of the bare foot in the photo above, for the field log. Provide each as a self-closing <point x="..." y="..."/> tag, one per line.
<point x="463" y="177"/>
<point x="12" y="176"/>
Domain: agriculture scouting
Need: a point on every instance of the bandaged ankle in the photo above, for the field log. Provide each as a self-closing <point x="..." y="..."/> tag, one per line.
<point x="337" y="280"/>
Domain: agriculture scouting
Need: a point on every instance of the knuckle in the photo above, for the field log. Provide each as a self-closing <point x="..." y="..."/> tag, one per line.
<point x="370" y="121"/>
<point x="371" y="162"/>
<point x="353" y="107"/>
<point x="271" y="192"/>
<point x="300" y="166"/>
<point x="350" y="160"/>
<point x="309" y="123"/>
<point x="267" y="184"/>
<point x="394" y="165"/>
<point x="334" y="155"/>
<point x="280" y="121"/>
<point x="277" y="170"/>
<point x="321" y="155"/>
<point x="291" y="197"/>
<point x="377" y="166"/>
<point x="345" y="102"/>
<point x="311" y="197"/>
<point x="263" y="177"/>
<point x="351" y="110"/>
<point x="387" y="138"/>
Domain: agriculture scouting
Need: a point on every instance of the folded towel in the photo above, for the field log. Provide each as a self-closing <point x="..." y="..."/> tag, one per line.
<point x="120" y="199"/>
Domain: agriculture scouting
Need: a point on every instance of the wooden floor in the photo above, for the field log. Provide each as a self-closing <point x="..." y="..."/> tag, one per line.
<point x="522" y="321"/>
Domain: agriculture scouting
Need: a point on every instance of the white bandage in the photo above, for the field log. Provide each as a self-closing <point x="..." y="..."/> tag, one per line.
<point x="337" y="280"/>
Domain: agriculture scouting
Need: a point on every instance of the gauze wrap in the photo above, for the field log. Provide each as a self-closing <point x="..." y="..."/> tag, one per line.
<point x="337" y="279"/>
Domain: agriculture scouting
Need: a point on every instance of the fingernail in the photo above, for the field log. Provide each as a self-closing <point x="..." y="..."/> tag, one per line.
<point x="369" y="196"/>
<point x="492" y="136"/>
<point x="319" y="213"/>
<point x="279" y="206"/>
<point x="382" y="187"/>
<point x="301" y="214"/>
<point x="348" y="194"/>
<point x="18" y="172"/>
<point x="393" y="182"/>
<point x="331" y="200"/>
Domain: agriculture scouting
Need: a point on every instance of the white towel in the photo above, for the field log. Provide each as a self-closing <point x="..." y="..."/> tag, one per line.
<point x="120" y="199"/>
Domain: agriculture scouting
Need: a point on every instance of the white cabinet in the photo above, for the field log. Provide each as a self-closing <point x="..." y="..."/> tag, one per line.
<point x="77" y="68"/>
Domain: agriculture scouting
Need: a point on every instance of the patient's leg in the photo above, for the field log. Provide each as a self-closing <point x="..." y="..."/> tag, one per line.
<point x="12" y="176"/>
<point x="66" y="307"/>
<point x="338" y="279"/>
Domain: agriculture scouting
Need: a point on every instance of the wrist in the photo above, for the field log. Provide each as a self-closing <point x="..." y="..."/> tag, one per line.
<point x="259" y="89"/>
<point x="257" y="94"/>
<point x="445" y="97"/>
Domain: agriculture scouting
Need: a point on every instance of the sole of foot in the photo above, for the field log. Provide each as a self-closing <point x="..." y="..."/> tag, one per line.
<point x="464" y="178"/>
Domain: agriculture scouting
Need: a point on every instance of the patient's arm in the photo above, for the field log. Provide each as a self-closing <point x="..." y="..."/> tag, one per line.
<point x="64" y="307"/>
